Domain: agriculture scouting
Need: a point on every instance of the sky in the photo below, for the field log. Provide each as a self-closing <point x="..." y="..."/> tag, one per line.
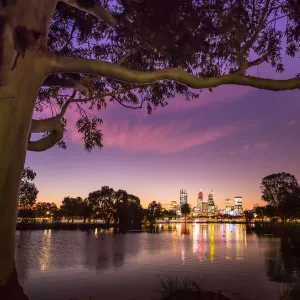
<point x="225" y="141"/>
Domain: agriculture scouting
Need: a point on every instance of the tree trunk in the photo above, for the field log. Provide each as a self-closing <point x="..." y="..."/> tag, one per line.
<point x="22" y="72"/>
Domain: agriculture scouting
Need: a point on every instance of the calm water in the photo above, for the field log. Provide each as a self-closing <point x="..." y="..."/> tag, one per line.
<point x="73" y="264"/>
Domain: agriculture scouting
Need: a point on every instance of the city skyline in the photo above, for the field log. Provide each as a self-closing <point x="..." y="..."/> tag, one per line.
<point x="208" y="207"/>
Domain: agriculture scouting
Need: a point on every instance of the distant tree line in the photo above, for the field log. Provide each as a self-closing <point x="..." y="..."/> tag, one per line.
<point x="113" y="207"/>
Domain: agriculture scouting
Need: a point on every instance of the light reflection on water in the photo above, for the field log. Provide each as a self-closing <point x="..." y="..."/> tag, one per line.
<point x="98" y="264"/>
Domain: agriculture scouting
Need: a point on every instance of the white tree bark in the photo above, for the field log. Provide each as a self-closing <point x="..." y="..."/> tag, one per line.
<point x="22" y="72"/>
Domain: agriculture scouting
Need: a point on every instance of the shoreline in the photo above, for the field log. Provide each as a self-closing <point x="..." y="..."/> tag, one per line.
<point x="88" y="226"/>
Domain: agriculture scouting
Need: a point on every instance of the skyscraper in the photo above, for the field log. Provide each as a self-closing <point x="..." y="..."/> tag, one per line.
<point x="238" y="205"/>
<point x="200" y="202"/>
<point x="211" y="204"/>
<point x="204" y="212"/>
<point x="227" y="206"/>
<point x="183" y="197"/>
<point x="173" y="205"/>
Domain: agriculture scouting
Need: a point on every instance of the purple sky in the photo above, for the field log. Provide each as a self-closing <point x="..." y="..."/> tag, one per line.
<point x="227" y="140"/>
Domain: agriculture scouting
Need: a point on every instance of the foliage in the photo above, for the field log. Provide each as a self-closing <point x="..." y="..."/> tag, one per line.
<point x="186" y="289"/>
<point x="276" y="187"/>
<point x="169" y="214"/>
<point x="128" y="211"/>
<point x="27" y="195"/>
<point x="154" y="212"/>
<point x="72" y="207"/>
<point x="104" y="203"/>
<point x="205" y="38"/>
<point x="248" y="215"/>
<point x="45" y="209"/>
<point x="186" y="209"/>
<point x="282" y="192"/>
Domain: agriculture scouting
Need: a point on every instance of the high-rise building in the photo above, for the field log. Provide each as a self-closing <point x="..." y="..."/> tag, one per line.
<point x="211" y="204"/>
<point x="183" y="197"/>
<point x="173" y="205"/>
<point x="200" y="201"/>
<point x="227" y="206"/>
<point x="204" y="212"/>
<point x="216" y="211"/>
<point x="238" y="205"/>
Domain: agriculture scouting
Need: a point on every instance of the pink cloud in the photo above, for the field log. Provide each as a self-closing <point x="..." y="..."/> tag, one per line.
<point x="167" y="138"/>
<point x="262" y="145"/>
<point x="292" y="123"/>
<point x="222" y="94"/>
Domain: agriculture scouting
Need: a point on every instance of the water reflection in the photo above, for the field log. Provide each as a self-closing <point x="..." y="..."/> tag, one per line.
<point x="281" y="266"/>
<point x="98" y="261"/>
<point x="44" y="256"/>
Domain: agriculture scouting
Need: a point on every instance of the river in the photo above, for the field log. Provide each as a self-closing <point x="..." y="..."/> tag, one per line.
<point x="64" y="265"/>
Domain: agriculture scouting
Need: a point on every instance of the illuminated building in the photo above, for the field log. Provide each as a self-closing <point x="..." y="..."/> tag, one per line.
<point x="195" y="212"/>
<point x="227" y="205"/>
<point x="232" y="213"/>
<point x="173" y="205"/>
<point x="211" y="204"/>
<point x="200" y="201"/>
<point x="216" y="210"/>
<point x="204" y="212"/>
<point x="222" y="211"/>
<point x="183" y="197"/>
<point x="238" y="205"/>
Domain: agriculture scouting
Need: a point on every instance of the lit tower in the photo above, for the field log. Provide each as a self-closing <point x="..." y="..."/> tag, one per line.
<point x="200" y="201"/>
<point x="183" y="197"/>
<point x="238" y="205"/>
<point x="211" y="204"/>
<point x="227" y="206"/>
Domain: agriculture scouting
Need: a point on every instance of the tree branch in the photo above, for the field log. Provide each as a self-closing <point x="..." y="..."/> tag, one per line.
<point x="38" y="126"/>
<point x="253" y="63"/>
<point x="78" y="85"/>
<point x="128" y="106"/>
<point x="261" y="23"/>
<point x="47" y="142"/>
<point x="94" y="9"/>
<point x="69" y="39"/>
<point x="120" y="73"/>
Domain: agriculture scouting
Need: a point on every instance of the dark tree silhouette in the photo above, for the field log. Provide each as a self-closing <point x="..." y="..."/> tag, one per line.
<point x="27" y="196"/>
<point x="95" y="52"/>
<point x="282" y="192"/>
<point x="154" y="212"/>
<point x="185" y="210"/>
<point x="71" y="207"/>
<point x="104" y="203"/>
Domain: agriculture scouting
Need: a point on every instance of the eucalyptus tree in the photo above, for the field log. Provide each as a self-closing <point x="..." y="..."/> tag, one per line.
<point x="88" y="53"/>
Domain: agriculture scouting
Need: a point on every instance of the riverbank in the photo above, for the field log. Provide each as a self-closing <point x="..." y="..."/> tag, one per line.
<point x="277" y="230"/>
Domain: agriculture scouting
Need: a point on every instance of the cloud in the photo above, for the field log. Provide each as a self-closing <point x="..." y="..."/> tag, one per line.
<point x="165" y="138"/>
<point x="292" y="123"/>
<point x="222" y="94"/>
<point x="262" y="145"/>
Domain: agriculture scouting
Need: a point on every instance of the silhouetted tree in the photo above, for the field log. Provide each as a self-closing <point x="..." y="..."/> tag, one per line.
<point x="122" y="210"/>
<point x="28" y="195"/>
<point x="248" y="215"/>
<point x="105" y="199"/>
<point x="87" y="210"/>
<point x="45" y="209"/>
<point x="185" y="210"/>
<point x="280" y="190"/>
<point x="154" y="212"/>
<point x="71" y="207"/>
<point x="109" y="53"/>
